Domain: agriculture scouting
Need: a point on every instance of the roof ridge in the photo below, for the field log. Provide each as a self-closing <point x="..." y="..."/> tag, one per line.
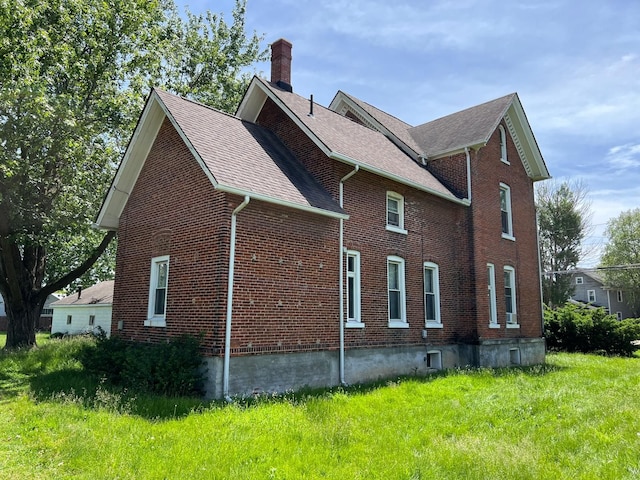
<point x="196" y="102"/>
<point x="356" y="99"/>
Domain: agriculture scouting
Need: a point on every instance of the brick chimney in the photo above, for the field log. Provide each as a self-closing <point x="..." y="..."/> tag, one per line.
<point x="281" y="64"/>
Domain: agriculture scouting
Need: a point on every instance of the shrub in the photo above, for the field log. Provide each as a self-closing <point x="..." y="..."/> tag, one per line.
<point x="172" y="368"/>
<point x="575" y="328"/>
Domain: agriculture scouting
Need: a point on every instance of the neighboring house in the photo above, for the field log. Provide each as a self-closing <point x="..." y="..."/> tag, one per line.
<point x="87" y="310"/>
<point x="590" y="288"/>
<point x="44" y="322"/>
<point x="250" y="229"/>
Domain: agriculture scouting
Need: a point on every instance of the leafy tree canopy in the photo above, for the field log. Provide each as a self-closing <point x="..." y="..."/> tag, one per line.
<point x="622" y="256"/>
<point x="73" y="78"/>
<point x="563" y="220"/>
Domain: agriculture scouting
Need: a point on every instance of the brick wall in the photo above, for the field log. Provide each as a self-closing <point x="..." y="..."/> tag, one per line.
<point x="488" y="171"/>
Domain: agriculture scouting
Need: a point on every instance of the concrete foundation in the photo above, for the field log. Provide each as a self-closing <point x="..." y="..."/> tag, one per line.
<point x="258" y="374"/>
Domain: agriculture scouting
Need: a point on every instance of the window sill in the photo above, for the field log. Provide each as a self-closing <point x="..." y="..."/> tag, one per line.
<point x="494" y="325"/>
<point x="433" y="325"/>
<point x="398" y="324"/>
<point x="513" y="325"/>
<point x="506" y="236"/>
<point x="353" y="324"/>
<point x="155" y="322"/>
<point x="391" y="228"/>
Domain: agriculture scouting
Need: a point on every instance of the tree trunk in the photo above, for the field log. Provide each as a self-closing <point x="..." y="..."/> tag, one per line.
<point x="22" y="322"/>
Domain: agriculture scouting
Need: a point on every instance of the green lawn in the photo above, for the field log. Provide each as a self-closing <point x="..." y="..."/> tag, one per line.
<point x="578" y="417"/>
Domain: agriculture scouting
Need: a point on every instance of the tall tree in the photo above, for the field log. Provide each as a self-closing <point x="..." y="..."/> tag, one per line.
<point x="73" y="78"/>
<point x="564" y="215"/>
<point x="621" y="257"/>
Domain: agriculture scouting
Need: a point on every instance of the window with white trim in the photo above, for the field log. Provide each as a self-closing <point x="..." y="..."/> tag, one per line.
<point x="514" y="356"/>
<point x="395" y="212"/>
<point x="505" y="211"/>
<point x="431" y="295"/>
<point x="619" y="296"/>
<point x="579" y="280"/>
<point x="510" y="296"/>
<point x="503" y="144"/>
<point x="591" y="296"/>
<point x="396" y="292"/>
<point x="353" y="287"/>
<point x="92" y="320"/>
<point x="434" y="359"/>
<point x="491" y="281"/>
<point x="158" y="284"/>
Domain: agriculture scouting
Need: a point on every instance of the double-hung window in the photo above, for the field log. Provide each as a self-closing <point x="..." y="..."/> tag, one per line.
<point x="493" y="311"/>
<point x="619" y="296"/>
<point x="510" y="296"/>
<point x="395" y="212"/>
<point x="591" y="296"/>
<point x="354" y="318"/>
<point x="503" y="144"/>
<point x="505" y="212"/>
<point x="431" y="295"/>
<point x="396" y="293"/>
<point x="158" y="285"/>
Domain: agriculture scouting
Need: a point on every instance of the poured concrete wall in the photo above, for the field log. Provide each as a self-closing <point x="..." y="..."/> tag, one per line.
<point x="259" y="374"/>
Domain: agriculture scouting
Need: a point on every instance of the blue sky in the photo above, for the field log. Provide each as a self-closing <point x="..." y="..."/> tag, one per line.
<point x="575" y="65"/>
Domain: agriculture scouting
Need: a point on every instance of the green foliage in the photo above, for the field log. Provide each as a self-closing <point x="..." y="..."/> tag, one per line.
<point x="74" y="77"/>
<point x="563" y="216"/>
<point x="622" y="256"/>
<point x="575" y="328"/>
<point x="173" y="368"/>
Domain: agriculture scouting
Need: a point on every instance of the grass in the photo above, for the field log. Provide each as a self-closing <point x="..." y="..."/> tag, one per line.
<point x="575" y="417"/>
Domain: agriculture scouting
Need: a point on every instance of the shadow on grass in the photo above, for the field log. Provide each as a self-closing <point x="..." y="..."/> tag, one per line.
<point x="28" y="372"/>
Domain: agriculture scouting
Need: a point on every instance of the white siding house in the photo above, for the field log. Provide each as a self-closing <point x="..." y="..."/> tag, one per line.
<point x="84" y="311"/>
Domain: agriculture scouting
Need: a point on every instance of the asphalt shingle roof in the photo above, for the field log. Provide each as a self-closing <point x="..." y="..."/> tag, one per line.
<point x="246" y="156"/>
<point x="100" y="294"/>
<point x="357" y="142"/>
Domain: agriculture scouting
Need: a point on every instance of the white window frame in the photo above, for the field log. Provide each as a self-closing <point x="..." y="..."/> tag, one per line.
<point x="511" y="316"/>
<point x="154" y="319"/>
<point x="507" y="192"/>
<point x="435" y="272"/>
<point x="356" y="320"/>
<point x="402" y="321"/>
<point x="491" y="292"/>
<point x="579" y="280"/>
<point x="434" y="359"/>
<point x="92" y="320"/>
<point x="399" y="199"/>
<point x="514" y="356"/>
<point x="619" y="296"/>
<point x="590" y="294"/>
<point x="503" y="145"/>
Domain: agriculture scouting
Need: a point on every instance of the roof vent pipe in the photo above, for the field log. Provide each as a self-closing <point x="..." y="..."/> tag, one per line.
<point x="311" y="106"/>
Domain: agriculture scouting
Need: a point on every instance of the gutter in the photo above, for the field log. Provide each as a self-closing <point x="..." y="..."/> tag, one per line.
<point x="341" y="266"/>
<point x="227" y="336"/>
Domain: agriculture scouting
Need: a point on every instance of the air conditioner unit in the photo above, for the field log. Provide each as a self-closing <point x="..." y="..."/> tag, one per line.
<point x="512" y="318"/>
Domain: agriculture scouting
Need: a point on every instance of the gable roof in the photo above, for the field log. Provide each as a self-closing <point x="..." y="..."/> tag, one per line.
<point x="344" y="140"/>
<point x="469" y="128"/>
<point x="237" y="156"/>
<point x="98" y="294"/>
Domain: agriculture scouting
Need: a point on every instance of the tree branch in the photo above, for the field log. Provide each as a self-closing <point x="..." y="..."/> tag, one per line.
<point x="81" y="269"/>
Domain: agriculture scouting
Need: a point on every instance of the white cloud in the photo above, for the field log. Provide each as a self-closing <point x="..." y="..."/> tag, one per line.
<point x="624" y="157"/>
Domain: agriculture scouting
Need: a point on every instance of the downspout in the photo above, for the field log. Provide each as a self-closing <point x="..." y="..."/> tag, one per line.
<point x="341" y="266"/>
<point x="227" y="336"/>
<point x="466" y="152"/>
<point x="540" y="276"/>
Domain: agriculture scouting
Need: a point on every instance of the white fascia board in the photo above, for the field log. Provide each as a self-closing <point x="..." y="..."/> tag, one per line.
<point x="83" y="305"/>
<point x="252" y="102"/>
<point x="129" y="169"/>
<point x="395" y="178"/>
<point x="284" y="203"/>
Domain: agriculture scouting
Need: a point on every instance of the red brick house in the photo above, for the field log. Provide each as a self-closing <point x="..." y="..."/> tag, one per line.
<point x="314" y="246"/>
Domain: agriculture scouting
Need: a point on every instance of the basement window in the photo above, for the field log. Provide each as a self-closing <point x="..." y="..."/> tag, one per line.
<point x="434" y="359"/>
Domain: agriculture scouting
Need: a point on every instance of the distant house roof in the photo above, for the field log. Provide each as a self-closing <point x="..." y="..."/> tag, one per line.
<point x="469" y="128"/>
<point x="342" y="139"/>
<point x="98" y="294"/>
<point x="237" y="156"/>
